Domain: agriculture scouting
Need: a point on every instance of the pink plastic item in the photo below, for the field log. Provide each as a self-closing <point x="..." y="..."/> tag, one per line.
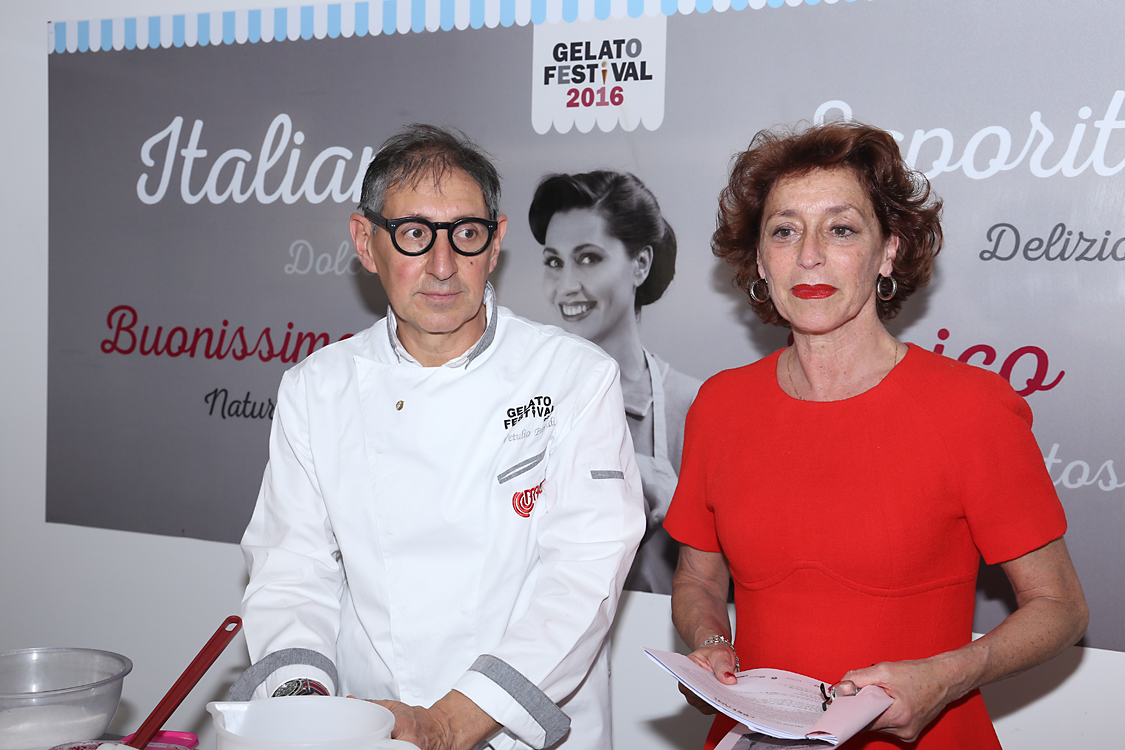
<point x="183" y="739"/>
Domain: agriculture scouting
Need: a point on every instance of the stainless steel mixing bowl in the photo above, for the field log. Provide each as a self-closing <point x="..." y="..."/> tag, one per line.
<point x="49" y="696"/>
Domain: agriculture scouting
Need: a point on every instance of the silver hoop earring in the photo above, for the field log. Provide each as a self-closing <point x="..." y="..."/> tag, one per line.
<point x="879" y="288"/>
<point x="753" y="291"/>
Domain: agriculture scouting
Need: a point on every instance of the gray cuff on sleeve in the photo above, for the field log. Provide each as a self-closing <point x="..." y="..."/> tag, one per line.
<point x="542" y="709"/>
<point x="243" y="688"/>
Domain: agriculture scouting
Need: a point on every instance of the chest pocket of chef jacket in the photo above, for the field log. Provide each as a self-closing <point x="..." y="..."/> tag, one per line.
<point x="523" y="481"/>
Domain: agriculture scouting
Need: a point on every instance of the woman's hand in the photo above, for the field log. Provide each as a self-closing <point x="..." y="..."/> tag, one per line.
<point x="920" y="690"/>
<point x="699" y="611"/>
<point x="1051" y="616"/>
<point x="720" y="659"/>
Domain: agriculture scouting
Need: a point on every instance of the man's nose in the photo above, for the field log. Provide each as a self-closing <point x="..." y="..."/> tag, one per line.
<point x="441" y="260"/>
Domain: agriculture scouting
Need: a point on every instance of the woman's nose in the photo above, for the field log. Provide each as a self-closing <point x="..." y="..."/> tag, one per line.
<point x="811" y="251"/>
<point x="569" y="280"/>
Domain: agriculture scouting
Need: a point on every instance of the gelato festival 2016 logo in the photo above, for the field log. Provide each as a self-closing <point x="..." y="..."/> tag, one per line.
<point x="604" y="73"/>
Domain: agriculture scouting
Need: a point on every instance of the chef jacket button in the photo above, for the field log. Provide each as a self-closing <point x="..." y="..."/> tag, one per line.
<point x="398" y="406"/>
<point x="465" y="608"/>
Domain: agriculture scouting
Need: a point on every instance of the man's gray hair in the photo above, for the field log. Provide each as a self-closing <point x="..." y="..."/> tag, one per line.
<point x="421" y="151"/>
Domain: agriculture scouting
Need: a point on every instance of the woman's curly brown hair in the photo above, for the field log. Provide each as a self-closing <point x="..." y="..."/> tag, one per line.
<point x="903" y="203"/>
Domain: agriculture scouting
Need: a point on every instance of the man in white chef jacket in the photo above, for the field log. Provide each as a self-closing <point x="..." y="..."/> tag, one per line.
<point x="452" y="501"/>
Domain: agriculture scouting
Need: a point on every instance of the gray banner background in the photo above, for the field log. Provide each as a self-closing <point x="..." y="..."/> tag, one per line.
<point x="131" y="444"/>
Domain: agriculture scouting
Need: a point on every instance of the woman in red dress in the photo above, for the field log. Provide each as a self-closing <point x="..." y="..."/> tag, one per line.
<point x="850" y="484"/>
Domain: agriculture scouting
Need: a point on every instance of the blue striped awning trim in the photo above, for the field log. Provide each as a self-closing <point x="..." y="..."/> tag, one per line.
<point x="332" y="20"/>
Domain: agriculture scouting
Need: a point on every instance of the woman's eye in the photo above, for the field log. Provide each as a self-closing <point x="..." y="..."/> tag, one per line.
<point x="552" y="261"/>
<point x="589" y="259"/>
<point x="842" y="231"/>
<point x="783" y="232"/>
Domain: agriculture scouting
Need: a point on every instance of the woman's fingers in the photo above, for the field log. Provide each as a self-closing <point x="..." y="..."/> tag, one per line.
<point x="720" y="659"/>
<point x="844" y="688"/>
<point x="696" y="702"/>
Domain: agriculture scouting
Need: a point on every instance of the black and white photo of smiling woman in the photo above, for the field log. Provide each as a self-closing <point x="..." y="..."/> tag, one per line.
<point x="608" y="252"/>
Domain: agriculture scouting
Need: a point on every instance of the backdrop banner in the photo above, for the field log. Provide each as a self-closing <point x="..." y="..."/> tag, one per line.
<point x="203" y="169"/>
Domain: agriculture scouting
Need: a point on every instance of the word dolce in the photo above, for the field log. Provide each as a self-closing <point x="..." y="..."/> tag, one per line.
<point x="1038" y="379"/>
<point x="306" y="260"/>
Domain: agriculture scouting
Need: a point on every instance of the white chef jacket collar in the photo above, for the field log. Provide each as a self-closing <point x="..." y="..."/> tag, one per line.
<point x="473" y="352"/>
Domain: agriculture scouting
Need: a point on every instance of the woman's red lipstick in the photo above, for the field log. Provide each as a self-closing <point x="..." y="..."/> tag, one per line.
<point x="813" y="291"/>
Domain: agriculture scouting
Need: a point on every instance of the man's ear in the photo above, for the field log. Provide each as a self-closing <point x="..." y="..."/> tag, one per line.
<point x="362" y="236"/>
<point x="497" y="236"/>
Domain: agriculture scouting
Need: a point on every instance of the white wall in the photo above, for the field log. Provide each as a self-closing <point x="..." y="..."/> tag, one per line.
<point x="158" y="599"/>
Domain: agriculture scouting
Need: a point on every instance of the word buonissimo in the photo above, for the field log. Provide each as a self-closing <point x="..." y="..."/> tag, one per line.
<point x="127" y="337"/>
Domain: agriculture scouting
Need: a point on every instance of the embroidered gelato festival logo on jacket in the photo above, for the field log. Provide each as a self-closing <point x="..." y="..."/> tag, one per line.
<point x="524" y="502"/>
<point x="538" y="406"/>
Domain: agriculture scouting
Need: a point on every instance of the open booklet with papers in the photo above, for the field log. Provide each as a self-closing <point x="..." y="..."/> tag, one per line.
<point x="777" y="703"/>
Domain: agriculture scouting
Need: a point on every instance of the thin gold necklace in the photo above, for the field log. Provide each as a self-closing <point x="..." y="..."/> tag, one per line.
<point x="793" y="385"/>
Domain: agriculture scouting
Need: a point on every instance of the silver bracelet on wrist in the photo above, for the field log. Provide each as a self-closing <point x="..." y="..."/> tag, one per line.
<point x="722" y="639"/>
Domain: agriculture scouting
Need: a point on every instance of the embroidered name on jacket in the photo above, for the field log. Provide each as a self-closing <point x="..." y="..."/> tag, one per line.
<point x="524" y="502"/>
<point x="539" y="406"/>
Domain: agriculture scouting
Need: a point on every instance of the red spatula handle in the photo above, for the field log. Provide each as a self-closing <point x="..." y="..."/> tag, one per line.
<point x="199" y="665"/>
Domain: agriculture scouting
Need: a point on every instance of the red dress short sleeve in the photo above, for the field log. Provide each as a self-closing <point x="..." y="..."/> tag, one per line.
<point x="854" y="529"/>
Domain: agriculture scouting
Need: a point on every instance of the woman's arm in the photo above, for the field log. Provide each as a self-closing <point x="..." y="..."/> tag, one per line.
<point x="699" y="611"/>
<point x="1051" y="616"/>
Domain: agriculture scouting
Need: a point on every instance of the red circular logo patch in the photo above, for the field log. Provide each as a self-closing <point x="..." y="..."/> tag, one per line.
<point x="524" y="502"/>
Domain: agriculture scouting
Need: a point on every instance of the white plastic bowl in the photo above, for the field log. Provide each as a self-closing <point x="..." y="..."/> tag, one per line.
<point x="49" y="696"/>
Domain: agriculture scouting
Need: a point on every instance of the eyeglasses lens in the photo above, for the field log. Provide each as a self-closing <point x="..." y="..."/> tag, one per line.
<point x="467" y="236"/>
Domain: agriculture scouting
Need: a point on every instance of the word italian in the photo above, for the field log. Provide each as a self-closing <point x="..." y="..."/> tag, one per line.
<point x="538" y="406"/>
<point x="226" y="175"/>
<point x="246" y="409"/>
<point x="122" y="321"/>
<point x="1077" y="473"/>
<point x="1036" y="382"/>
<point x="1007" y="245"/>
<point x="989" y="150"/>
